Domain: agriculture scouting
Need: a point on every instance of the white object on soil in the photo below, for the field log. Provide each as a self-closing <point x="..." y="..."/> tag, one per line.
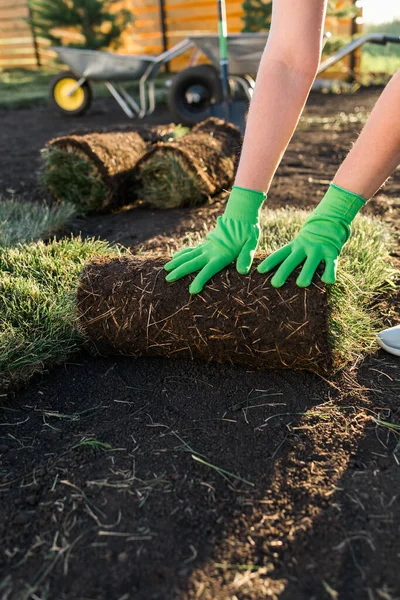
<point x="389" y="340"/>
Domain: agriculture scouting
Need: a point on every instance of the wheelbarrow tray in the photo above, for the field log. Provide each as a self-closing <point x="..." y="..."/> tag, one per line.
<point x="244" y="50"/>
<point x="98" y="65"/>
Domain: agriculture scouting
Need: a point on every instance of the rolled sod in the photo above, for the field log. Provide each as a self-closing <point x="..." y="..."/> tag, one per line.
<point x="95" y="171"/>
<point x="149" y="133"/>
<point x="187" y="171"/>
<point x="126" y="307"/>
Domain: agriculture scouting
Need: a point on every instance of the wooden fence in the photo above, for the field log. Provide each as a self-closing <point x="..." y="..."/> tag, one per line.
<point x="145" y="36"/>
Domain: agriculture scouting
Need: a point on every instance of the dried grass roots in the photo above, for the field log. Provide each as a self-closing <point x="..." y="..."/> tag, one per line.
<point x="125" y="307"/>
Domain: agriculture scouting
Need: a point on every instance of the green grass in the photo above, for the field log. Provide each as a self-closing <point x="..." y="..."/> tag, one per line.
<point x="38" y="325"/>
<point x="166" y="182"/>
<point x="22" y="221"/>
<point x="68" y="177"/>
<point x="26" y="88"/>
<point x="381" y="63"/>
<point x="23" y="88"/>
<point x="37" y="288"/>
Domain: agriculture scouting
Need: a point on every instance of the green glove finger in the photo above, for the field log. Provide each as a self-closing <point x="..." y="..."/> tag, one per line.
<point x="329" y="275"/>
<point x="188" y="267"/>
<point x="287" y="267"/>
<point x="308" y="271"/>
<point x="182" y="259"/>
<point x="236" y="234"/>
<point x="275" y="259"/>
<point x="246" y="256"/>
<point x="183" y="251"/>
<point x="320" y="239"/>
<point x="205" y="274"/>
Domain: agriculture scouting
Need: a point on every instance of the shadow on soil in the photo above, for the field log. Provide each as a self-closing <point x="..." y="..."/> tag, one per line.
<point x="109" y="482"/>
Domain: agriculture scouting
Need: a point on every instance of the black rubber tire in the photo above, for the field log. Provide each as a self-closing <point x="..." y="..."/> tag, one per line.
<point x="87" y="90"/>
<point x="205" y="76"/>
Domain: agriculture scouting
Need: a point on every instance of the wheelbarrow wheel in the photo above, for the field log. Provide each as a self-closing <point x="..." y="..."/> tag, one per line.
<point x="61" y="98"/>
<point x="192" y="92"/>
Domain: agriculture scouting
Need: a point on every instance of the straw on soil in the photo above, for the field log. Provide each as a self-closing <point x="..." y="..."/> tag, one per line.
<point x="187" y="171"/>
<point x="95" y="171"/>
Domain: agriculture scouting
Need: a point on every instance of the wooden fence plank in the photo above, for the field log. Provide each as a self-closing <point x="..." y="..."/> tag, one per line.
<point x="183" y="17"/>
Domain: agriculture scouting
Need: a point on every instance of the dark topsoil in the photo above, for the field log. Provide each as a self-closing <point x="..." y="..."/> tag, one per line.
<point x="310" y="509"/>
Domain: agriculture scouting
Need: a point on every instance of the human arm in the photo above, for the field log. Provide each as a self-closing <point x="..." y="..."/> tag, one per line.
<point x="372" y="159"/>
<point x="285" y="76"/>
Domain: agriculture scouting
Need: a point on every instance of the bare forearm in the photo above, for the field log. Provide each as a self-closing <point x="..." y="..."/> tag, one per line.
<point x="285" y="75"/>
<point x="376" y="153"/>
<point x="275" y="111"/>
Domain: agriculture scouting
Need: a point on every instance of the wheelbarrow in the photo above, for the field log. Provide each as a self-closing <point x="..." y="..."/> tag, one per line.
<point x="192" y="91"/>
<point x="195" y="88"/>
<point x="70" y="91"/>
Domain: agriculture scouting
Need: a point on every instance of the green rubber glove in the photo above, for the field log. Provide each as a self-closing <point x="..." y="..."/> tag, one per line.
<point x="235" y="236"/>
<point x="321" y="239"/>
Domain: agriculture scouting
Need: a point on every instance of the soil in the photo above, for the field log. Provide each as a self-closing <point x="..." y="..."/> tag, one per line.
<point x="146" y="478"/>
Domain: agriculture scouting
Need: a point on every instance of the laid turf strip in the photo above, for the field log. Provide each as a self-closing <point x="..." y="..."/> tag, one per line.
<point x="125" y="306"/>
<point x="187" y="171"/>
<point x="94" y="171"/>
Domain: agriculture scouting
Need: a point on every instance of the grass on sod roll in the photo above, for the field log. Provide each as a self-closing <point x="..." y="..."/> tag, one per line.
<point x="72" y="178"/>
<point x="22" y="221"/>
<point x="167" y="183"/>
<point x="37" y="304"/>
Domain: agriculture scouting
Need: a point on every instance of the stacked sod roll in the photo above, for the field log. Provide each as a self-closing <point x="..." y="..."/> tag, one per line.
<point x="125" y="306"/>
<point x="95" y="171"/>
<point x="191" y="169"/>
<point x="167" y="167"/>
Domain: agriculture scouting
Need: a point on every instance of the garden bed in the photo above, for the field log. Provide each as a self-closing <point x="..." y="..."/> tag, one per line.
<point x="151" y="478"/>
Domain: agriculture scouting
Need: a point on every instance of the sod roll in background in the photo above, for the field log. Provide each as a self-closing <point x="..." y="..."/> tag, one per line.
<point x="125" y="306"/>
<point x="151" y="134"/>
<point x="189" y="170"/>
<point x="96" y="171"/>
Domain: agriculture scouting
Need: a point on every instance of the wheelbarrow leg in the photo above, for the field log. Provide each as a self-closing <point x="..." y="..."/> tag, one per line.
<point x="119" y="99"/>
<point x="129" y="100"/>
<point x="143" y="91"/>
<point x="152" y="97"/>
<point x="147" y="92"/>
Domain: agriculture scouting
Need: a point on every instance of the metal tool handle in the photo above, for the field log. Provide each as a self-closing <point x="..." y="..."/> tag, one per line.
<point x="223" y="51"/>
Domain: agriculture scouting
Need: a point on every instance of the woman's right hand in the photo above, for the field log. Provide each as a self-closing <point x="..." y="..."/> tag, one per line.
<point x="235" y="237"/>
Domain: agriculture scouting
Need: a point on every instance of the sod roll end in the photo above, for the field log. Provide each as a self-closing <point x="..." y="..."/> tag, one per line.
<point x="187" y="171"/>
<point x="95" y="171"/>
<point x="126" y="307"/>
